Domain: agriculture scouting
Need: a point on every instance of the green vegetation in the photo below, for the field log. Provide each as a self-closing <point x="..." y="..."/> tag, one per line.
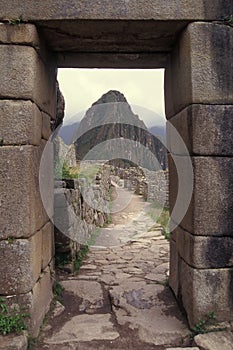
<point x="63" y="171"/>
<point x="17" y="21"/>
<point x="163" y="221"/>
<point x="228" y="20"/>
<point x="10" y="240"/>
<point x="62" y="259"/>
<point x="160" y="218"/>
<point x="80" y="256"/>
<point x="89" y="172"/>
<point x="57" y="291"/>
<point x="202" y="326"/>
<point x="11" y="320"/>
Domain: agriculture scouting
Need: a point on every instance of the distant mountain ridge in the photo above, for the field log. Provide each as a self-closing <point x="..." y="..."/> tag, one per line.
<point x="110" y="129"/>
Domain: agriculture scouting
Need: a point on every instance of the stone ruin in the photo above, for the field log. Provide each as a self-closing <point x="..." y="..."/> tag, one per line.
<point x="193" y="41"/>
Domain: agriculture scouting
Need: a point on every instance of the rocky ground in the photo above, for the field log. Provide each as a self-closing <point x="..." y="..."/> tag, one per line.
<point x="120" y="297"/>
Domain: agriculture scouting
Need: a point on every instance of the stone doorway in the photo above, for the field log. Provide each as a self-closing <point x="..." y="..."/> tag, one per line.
<point x="194" y="43"/>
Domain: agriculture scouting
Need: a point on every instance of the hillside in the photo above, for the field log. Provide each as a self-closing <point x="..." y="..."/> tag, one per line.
<point x="108" y="129"/>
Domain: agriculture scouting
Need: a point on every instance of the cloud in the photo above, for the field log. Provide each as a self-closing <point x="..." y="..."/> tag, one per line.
<point x="82" y="87"/>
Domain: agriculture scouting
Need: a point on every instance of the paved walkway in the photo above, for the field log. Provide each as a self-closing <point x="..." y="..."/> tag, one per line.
<point x="120" y="297"/>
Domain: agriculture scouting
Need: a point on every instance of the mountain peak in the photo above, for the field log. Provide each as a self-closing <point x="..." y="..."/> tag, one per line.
<point x="111" y="97"/>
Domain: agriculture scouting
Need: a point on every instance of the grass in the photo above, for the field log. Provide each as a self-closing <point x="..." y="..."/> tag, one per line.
<point x="80" y="256"/>
<point x="161" y="219"/>
<point x="202" y="326"/>
<point x="11" y="320"/>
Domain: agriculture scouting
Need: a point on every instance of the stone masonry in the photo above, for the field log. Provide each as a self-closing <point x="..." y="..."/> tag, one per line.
<point x="27" y="107"/>
<point x="193" y="41"/>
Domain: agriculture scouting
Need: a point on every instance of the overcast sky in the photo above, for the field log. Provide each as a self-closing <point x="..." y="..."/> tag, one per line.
<point x="82" y="87"/>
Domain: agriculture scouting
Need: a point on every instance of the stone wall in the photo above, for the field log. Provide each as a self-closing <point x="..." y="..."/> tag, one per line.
<point x="27" y="110"/>
<point x="79" y="208"/>
<point x="199" y="98"/>
<point x="152" y="185"/>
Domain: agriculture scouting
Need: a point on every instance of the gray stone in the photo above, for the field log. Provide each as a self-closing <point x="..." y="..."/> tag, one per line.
<point x="35" y="303"/>
<point x="200" y="68"/>
<point x="206" y="290"/>
<point x="22" y="211"/>
<point x="90" y="291"/>
<point x="140" y="10"/>
<point x="20" y="123"/>
<point x="214" y="341"/>
<point x="20" y="264"/>
<point x="210" y="210"/>
<point x="58" y="310"/>
<point x="48" y="249"/>
<point x="21" y="34"/>
<point x="190" y="348"/>
<point x="174" y="268"/>
<point x="205" y="130"/>
<point x="142" y="306"/>
<point x="33" y="81"/>
<point x="46" y="126"/>
<point x="14" y="342"/>
<point x="205" y="252"/>
<point x="90" y="327"/>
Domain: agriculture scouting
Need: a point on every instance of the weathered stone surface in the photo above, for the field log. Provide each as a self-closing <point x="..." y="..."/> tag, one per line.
<point x="200" y="68"/>
<point x="46" y="126"/>
<point x="174" y="268"/>
<point x="90" y="291"/>
<point x="90" y="327"/>
<point x="20" y="123"/>
<point x="22" y="212"/>
<point x="206" y="290"/>
<point x="19" y="34"/>
<point x="214" y="341"/>
<point x="14" y="342"/>
<point x="47" y="244"/>
<point x="205" y="252"/>
<point x="24" y="76"/>
<point x="205" y="130"/>
<point x="210" y="210"/>
<point x="142" y="305"/>
<point x="20" y="264"/>
<point x="55" y="9"/>
<point x="189" y="348"/>
<point x="35" y="303"/>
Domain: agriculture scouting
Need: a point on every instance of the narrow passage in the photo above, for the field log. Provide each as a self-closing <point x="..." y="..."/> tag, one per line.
<point x="120" y="298"/>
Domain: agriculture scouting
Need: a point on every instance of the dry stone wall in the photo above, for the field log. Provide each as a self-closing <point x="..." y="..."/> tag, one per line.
<point x="79" y="208"/>
<point x="152" y="185"/>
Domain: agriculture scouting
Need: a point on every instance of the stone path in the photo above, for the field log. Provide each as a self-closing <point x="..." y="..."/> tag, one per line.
<point x="120" y="297"/>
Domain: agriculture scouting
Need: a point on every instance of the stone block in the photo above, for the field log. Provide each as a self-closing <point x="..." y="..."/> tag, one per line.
<point x="14" y="342"/>
<point x="174" y="268"/>
<point x="210" y="210"/>
<point x="214" y="341"/>
<point x="35" y="303"/>
<point x="20" y="264"/>
<point x="205" y="130"/>
<point x="19" y="34"/>
<point x="205" y="252"/>
<point x="174" y="11"/>
<point x="25" y="76"/>
<point x="46" y="126"/>
<point x="200" y="69"/>
<point x="20" y="123"/>
<point x="47" y="244"/>
<point x="189" y="348"/>
<point x="22" y="211"/>
<point x="206" y="290"/>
